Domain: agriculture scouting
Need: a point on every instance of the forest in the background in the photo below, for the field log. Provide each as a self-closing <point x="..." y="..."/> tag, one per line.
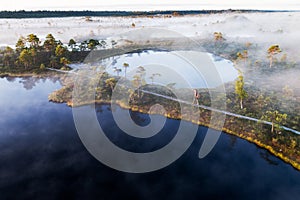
<point x="45" y="13"/>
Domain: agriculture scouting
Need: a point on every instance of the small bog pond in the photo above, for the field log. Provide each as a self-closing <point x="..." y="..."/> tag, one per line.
<point x="42" y="157"/>
<point x="191" y="69"/>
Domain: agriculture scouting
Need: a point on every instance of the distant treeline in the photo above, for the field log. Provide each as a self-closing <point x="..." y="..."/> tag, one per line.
<point x="44" y="13"/>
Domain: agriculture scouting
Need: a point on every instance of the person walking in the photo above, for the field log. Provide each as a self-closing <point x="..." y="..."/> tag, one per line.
<point x="196" y="97"/>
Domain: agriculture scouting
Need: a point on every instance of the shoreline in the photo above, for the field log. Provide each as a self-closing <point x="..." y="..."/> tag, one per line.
<point x="226" y="130"/>
<point x="45" y="74"/>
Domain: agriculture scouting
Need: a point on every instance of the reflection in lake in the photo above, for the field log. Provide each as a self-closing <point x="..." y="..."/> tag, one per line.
<point x="30" y="82"/>
<point x="42" y="157"/>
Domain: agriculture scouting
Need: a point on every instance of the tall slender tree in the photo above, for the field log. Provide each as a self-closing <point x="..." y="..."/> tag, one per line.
<point x="25" y="58"/>
<point x="125" y="65"/>
<point x="275" y="118"/>
<point x="33" y="55"/>
<point x="243" y="57"/>
<point x="239" y="90"/>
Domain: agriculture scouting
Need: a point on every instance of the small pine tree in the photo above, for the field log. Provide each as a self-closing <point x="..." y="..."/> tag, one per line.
<point x="273" y="50"/>
<point x="42" y="66"/>
<point x="218" y="36"/>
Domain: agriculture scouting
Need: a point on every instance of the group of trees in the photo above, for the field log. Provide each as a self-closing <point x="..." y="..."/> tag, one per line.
<point x="137" y="81"/>
<point x="272" y="51"/>
<point x="31" y="53"/>
<point x="119" y="70"/>
<point x="45" y="13"/>
<point x="87" y="45"/>
<point x="274" y="116"/>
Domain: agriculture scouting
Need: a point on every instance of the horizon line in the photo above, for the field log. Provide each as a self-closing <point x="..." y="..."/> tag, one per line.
<point x="167" y="10"/>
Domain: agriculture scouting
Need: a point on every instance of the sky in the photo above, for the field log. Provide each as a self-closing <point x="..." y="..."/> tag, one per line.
<point x="148" y="4"/>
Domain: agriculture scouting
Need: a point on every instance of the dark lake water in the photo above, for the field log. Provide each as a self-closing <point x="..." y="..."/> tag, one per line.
<point x="42" y="157"/>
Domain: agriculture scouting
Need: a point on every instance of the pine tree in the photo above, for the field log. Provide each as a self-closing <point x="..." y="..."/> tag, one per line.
<point x="273" y="50"/>
<point x="275" y="118"/>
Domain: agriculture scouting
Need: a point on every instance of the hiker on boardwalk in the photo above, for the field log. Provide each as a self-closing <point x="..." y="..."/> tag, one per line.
<point x="196" y="97"/>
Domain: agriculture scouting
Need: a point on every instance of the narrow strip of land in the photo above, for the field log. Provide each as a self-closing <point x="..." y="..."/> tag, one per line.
<point x="202" y="106"/>
<point x="222" y="111"/>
